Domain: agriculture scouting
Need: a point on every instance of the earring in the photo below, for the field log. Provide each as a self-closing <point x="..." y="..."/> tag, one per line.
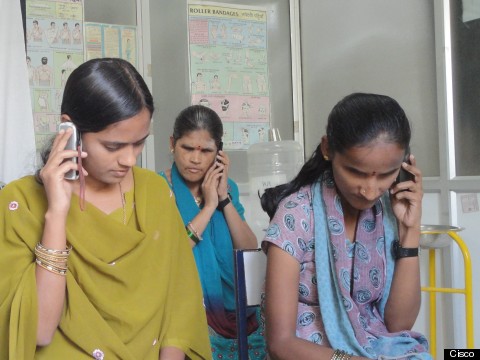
<point x="171" y="150"/>
<point x="325" y="157"/>
<point x="363" y="191"/>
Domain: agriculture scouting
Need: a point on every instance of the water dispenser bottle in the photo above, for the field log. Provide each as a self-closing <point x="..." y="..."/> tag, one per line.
<point x="270" y="164"/>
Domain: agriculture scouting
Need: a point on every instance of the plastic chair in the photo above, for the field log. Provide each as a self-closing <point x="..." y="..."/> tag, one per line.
<point x="250" y="269"/>
<point x="436" y="237"/>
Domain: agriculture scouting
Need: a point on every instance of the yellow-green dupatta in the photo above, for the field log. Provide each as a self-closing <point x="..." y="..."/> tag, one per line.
<point x="131" y="289"/>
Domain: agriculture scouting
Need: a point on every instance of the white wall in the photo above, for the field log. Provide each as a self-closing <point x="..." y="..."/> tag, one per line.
<point x="380" y="46"/>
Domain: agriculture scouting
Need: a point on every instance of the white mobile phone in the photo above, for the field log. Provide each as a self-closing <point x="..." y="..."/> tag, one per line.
<point x="72" y="144"/>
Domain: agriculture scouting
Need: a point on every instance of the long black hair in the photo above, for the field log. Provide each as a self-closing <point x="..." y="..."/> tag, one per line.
<point x="101" y="92"/>
<point x="355" y="120"/>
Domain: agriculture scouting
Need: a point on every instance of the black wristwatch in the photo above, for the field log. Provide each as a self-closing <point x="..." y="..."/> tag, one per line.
<point x="221" y="204"/>
<point x="401" y="252"/>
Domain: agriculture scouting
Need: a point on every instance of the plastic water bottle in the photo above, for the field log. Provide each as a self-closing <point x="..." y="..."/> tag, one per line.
<point x="270" y="164"/>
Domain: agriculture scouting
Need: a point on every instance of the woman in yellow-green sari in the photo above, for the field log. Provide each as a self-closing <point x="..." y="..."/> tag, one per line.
<point x="98" y="267"/>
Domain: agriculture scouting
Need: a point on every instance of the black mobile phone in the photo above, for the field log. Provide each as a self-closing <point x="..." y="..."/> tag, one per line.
<point x="72" y="144"/>
<point x="404" y="175"/>
<point x="220" y="148"/>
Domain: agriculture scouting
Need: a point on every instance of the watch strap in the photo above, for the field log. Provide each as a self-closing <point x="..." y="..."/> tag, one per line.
<point x="221" y="204"/>
<point x="401" y="252"/>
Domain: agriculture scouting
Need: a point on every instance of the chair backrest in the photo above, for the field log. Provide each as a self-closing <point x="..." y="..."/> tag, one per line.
<point x="250" y="269"/>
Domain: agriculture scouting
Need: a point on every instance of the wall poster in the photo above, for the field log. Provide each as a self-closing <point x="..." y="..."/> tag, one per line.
<point x="107" y="40"/>
<point x="54" y="33"/>
<point x="58" y="40"/>
<point x="229" y="68"/>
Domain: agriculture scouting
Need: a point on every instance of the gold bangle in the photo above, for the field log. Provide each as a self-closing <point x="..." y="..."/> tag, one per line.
<point x="42" y="254"/>
<point x="341" y="355"/>
<point x="52" y="260"/>
<point x="50" y="265"/>
<point x="51" y="268"/>
<point x="65" y="252"/>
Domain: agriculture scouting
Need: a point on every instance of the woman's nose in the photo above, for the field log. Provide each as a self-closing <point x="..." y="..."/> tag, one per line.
<point x="370" y="190"/>
<point x="196" y="157"/>
<point x="369" y="194"/>
<point x="129" y="157"/>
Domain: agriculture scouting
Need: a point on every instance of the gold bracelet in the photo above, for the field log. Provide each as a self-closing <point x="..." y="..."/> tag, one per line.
<point x="52" y="260"/>
<point x="341" y="355"/>
<point x="336" y="355"/>
<point x="53" y="269"/>
<point x="65" y="252"/>
<point x="48" y="256"/>
<point x="50" y="265"/>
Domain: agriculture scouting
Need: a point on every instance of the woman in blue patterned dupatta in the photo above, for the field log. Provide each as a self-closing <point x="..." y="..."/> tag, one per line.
<point x="209" y="205"/>
<point x="343" y="276"/>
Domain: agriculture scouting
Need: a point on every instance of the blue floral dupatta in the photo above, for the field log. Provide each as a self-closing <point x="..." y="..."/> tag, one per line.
<point x="337" y="323"/>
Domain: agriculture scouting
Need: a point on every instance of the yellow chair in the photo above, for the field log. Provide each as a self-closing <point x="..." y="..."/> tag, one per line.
<point x="436" y="237"/>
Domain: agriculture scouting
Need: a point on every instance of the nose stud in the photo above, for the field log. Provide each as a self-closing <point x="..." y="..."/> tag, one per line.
<point x="363" y="191"/>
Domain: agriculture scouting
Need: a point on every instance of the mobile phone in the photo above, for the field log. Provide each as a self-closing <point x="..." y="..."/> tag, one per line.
<point x="72" y="144"/>
<point x="404" y="175"/>
<point x="220" y="148"/>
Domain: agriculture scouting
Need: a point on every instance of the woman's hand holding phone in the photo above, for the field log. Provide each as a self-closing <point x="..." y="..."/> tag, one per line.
<point x="222" y="163"/>
<point x="406" y="196"/>
<point x="73" y="143"/>
<point x="57" y="188"/>
<point x="214" y="186"/>
<point x="404" y="175"/>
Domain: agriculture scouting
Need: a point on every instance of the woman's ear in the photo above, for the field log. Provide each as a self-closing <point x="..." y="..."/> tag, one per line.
<point x="324" y="148"/>
<point x="172" y="144"/>
<point x="65" y="118"/>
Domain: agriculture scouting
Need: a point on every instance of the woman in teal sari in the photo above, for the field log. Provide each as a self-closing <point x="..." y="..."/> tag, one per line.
<point x="209" y="205"/>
